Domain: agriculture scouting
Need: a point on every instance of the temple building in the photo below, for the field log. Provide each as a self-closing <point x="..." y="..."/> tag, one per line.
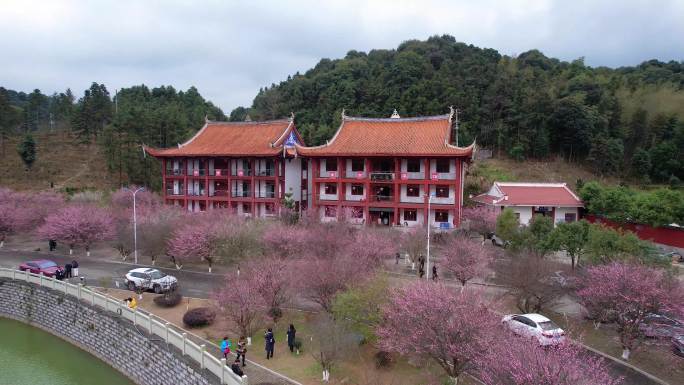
<point x="554" y="200"/>
<point x="392" y="171"/>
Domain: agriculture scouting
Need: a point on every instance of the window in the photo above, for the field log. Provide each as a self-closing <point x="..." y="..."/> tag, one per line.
<point x="356" y="212"/>
<point x="570" y="217"/>
<point x="443" y="165"/>
<point x="357" y="165"/>
<point x="330" y="211"/>
<point x="517" y="216"/>
<point x="331" y="188"/>
<point x="413" y="165"/>
<point x="442" y="192"/>
<point x="413" y="190"/>
<point x="441" y="216"/>
<point x="357" y="189"/>
<point x="331" y="164"/>
<point x="410" y="215"/>
<point x="246" y="208"/>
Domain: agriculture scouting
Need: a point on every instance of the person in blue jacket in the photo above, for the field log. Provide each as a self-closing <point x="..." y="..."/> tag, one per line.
<point x="225" y="347"/>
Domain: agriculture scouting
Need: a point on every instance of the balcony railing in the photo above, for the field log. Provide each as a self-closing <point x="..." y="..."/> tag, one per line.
<point x="382" y="176"/>
<point x="219" y="193"/>
<point x="241" y="172"/>
<point x="381" y="198"/>
<point x="349" y="174"/>
<point x="171" y="192"/>
<point x="265" y="194"/>
<point x="241" y="194"/>
<point x="175" y="172"/>
<point x="265" y="172"/>
<point x="197" y="172"/>
<point x="199" y="193"/>
<point x="219" y="172"/>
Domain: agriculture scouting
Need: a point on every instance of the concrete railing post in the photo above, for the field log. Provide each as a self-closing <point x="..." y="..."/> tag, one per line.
<point x="223" y="370"/>
<point x="166" y="329"/>
<point x="135" y="316"/>
<point x="54" y="284"/>
<point x="80" y="288"/>
<point x="185" y="338"/>
<point x="26" y="276"/>
<point x="149" y="323"/>
<point x="203" y="349"/>
<point x="245" y="380"/>
<point x="40" y="277"/>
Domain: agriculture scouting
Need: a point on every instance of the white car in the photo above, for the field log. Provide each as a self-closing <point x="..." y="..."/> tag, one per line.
<point x="535" y="326"/>
<point x="150" y="279"/>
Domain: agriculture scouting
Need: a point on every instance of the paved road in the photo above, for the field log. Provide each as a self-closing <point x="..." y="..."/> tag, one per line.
<point x="108" y="273"/>
<point x="200" y="285"/>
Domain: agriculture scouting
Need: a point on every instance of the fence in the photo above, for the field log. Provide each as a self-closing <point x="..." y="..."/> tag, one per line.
<point x="668" y="235"/>
<point x="148" y="322"/>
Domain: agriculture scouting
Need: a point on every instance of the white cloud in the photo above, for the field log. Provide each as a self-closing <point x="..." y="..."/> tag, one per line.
<point x="229" y="49"/>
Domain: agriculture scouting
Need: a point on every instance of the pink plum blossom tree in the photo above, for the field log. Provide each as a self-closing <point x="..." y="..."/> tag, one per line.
<point x="482" y="219"/>
<point x="23" y="212"/>
<point x="627" y="293"/>
<point x="465" y="258"/>
<point x="433" y="321"/>
<point x="78" y="225"/>
<point x="516" y="361"/>
<point x="239" y="298"/>
<point x="192" y="241"/>
<point x="272" y="280"/>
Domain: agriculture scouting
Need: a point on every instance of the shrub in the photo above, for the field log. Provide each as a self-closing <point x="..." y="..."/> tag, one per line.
<point x="383" y="359"/>
<point x="297" y="344"/>
<point x="168" y="299"/>
<point x="201" y="316"/>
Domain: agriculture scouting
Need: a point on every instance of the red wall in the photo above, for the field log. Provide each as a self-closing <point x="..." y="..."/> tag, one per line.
<point x="670" y="236"/>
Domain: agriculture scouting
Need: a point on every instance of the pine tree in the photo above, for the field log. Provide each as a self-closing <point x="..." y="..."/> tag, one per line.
<point x="27" y="150"/>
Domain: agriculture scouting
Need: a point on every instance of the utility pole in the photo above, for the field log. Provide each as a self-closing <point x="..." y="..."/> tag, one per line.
<point x="135" y="223"/>
<point x="427" y="263"/>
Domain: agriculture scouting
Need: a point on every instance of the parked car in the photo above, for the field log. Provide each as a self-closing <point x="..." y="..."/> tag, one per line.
<point x="536" y="326"/>
<point x="150" y="279"/>
<point x="678" y="344"/>
<point x="674" y="256"/>
<point x="661" y="326"/>
<point x="498" y="241"/>
<point x="45" y="266"/>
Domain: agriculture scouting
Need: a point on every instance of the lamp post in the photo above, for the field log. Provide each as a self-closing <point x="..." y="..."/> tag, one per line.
<point x="135" y="223"/>
<point x="427" y="261"/>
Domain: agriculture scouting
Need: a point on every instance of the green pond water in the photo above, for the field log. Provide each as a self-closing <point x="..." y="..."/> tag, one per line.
<point x="30" y="356"/>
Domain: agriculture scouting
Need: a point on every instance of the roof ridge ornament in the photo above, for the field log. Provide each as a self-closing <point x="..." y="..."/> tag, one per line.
<point x="248" y="118"/>
<point x="206" y="118"/>
<point x="292" y="116"/>
<point x="344" y="115"/>
<point x="395" y="114"/>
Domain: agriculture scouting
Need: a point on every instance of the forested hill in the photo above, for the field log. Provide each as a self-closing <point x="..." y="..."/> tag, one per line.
<point x="628" y="120"/>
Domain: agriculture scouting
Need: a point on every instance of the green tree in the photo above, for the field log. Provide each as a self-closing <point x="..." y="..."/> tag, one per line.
<point x="605" y="245"/>
<point x="27" y="150"/>
<point x="641" y="166"/>
<point x="507" y="224"/>
<point x="360" y="307"/>
<point x="571" y="237"/>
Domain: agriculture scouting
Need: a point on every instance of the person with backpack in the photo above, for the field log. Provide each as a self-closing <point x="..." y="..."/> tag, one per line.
<point x="269" y="340"/>
<point x="236" y="368"/>
<point x="225" y="347"/>
<point x="241" y="349"/>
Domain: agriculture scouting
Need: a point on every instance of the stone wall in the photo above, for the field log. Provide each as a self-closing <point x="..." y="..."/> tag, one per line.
<point x="116" y="341"/>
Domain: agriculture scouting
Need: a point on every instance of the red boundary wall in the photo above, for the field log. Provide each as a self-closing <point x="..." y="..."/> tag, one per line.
<point x="671" y="236"/>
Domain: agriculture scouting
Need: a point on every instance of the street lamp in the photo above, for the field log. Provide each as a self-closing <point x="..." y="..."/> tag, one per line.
<point x="135" y="223"/>
<point x="427" y="263"/>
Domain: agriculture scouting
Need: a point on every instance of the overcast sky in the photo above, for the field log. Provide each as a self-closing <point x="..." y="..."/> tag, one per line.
<point x="229" y="49"/>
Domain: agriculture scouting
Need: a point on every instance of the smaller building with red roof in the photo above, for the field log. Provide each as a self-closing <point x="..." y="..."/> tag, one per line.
<point x="554" y="200"/>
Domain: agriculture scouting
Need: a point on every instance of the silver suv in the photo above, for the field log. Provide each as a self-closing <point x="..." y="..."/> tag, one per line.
<point x="150" y="279"/>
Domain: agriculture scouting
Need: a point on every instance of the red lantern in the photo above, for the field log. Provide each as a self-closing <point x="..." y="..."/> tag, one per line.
<point x="359" y="175"/>
<point x="195" y="172"/>
<point x="217" y="172"/>
<point x="435" y="176"/>
<point x="404" y="176"/>
<point x="332" y="174"/>
<point x="241" y="173"/>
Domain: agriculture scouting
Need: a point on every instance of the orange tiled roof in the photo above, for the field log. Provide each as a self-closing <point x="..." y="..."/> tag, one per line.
<point x="390" y="137"/>
<point x="530" y="194"/>
<point x="232" y="139"/>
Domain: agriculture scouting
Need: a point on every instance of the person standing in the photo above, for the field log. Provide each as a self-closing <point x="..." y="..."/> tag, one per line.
<point x="269" y="340"/>
<point x="236" y="368"/>
<point x="396" y="259"/>
<point x="291" y="333"/>
<point x="74" y="268"/>
<point x="434" y="272"/>
<point x="225" y="347"/>
<point x="241" y="349"/>
<point x="67" y="271"/>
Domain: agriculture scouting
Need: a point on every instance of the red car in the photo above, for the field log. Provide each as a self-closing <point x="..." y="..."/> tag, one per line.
<point x="45" y="266"/>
